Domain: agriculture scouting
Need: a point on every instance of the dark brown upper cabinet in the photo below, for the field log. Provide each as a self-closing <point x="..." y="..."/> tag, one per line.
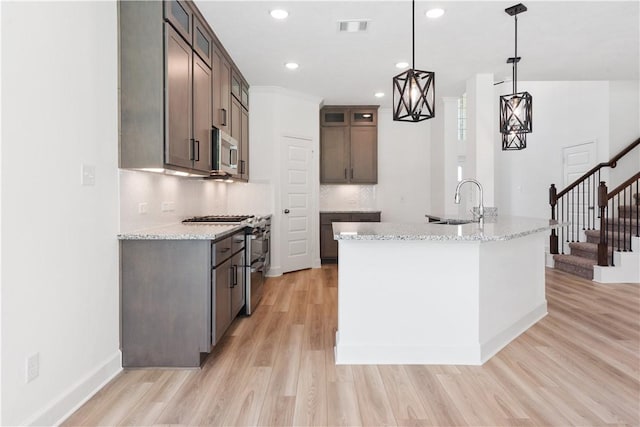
<point x="349" y="145"/>
<point x="180" y="15"/>
<point x="202" y="41"/>
<point x="236" y="84"/>
<point x="364" y="117"/>
<point x="175" y="85"/>
<point x="338" y="116"/>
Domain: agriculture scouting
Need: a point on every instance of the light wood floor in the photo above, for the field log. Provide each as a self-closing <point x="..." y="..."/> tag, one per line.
<point x="580" y="365"/>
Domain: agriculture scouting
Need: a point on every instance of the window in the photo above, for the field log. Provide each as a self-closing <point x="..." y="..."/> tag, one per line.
<point x="462" y="117"/>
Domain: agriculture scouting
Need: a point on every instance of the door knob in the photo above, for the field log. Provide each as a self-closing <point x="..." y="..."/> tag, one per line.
<point x="286" y="211"/>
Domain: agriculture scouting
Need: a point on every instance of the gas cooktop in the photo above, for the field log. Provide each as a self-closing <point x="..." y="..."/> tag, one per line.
<point x="225" y="219"/>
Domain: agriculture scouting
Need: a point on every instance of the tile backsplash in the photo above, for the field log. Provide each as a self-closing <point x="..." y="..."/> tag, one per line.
<point x="347" y="197"/>
<point x="149" y="199"/>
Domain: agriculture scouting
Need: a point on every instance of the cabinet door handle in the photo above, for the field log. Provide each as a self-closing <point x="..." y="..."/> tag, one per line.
<point x="351" y="173"/>
<point x="197" y="150"/>
<point x="191" y="148"/>
<point x="231" y="276"/>
<point x="224" y="116"/>
<point x="235" y="276"/>
<point x="345" y="173"/>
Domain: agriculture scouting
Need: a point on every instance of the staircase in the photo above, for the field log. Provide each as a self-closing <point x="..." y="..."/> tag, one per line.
<point x="602" y="241"/>
<point x="583" y="256"/>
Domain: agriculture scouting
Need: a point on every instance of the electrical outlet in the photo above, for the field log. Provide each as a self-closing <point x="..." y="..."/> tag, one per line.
<point x="33" y="367"/>
<point x="88" y="175"/>
<point x="143" y="208"/>
<point x="168" y="206"/>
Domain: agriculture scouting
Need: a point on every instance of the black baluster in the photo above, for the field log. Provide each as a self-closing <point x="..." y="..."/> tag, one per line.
<point x="562" y="220"/>
<point x="589" y="202"/>
<point x="637" y="207"/>
<point x="624" y="224"/>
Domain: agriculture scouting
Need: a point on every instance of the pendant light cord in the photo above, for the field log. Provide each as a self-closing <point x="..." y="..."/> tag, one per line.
<point x="413" y="34"/>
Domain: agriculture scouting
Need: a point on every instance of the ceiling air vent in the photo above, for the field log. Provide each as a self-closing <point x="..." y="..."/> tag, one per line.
<point x="353" y="26"/>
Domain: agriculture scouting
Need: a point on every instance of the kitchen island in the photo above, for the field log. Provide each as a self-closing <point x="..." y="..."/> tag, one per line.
<point x="437" y="293"/>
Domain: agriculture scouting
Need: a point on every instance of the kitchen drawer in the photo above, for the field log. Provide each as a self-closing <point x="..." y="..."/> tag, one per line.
<point x="328" y="218"/>
<point x="365" y="217"/>
<point x="221" y="251"/>
<point x="237" y="242"/>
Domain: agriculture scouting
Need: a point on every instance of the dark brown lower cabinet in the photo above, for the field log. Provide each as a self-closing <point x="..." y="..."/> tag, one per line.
<point x="178" y="297"/>
<point x="329" y="246"/>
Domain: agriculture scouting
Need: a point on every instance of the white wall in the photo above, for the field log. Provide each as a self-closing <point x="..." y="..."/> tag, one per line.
<point x="564" y="114"/>
<point x="1" y="240"/>
<point x="60" y="276"/>
<point x="624" y="122"/>
<point x="404" y="175"/>
<point x="481" y="136"/>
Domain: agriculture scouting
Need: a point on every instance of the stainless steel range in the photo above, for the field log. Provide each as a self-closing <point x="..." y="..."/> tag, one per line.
<point x="257" y="250"/>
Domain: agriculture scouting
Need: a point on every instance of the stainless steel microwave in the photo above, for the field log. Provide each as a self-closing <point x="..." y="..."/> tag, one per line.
<point x="225" y="153"/>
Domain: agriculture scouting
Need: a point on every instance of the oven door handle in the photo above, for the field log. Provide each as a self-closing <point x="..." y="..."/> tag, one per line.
<point x="257" y="266"/>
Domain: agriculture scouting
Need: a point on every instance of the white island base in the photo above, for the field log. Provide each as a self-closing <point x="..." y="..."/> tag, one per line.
<point x="435" y="301"/>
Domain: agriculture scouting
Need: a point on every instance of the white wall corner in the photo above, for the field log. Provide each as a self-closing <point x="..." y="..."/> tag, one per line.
<point x="75" y="396"/>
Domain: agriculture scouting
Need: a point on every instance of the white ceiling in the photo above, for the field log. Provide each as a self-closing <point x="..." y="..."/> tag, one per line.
<point x="574" y="40"/>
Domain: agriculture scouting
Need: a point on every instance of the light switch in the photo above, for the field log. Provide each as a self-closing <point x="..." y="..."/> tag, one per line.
<point x="88" y="175"/>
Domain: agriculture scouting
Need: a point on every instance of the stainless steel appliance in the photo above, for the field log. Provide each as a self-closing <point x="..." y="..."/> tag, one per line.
<point x="260" y="260"/>
<point x="224" y="154"/>
<point x="257" y="251"/>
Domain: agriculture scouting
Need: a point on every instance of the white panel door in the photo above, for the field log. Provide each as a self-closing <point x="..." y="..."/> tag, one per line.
<point x="581" y="204"/>
<point x="577" y="160"/>
<point x="296" y="204"/>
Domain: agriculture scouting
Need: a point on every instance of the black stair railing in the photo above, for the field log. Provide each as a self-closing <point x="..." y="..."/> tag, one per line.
<point x="619" y="215"/>
<point x="577" y="203"/>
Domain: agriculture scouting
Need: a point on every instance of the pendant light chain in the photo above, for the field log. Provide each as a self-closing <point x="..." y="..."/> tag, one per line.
<point x="515" y="60"/>
<point x="413" y="34"/>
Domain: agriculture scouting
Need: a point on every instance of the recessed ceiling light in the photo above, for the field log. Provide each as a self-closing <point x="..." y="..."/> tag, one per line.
<point x="434" y="13"/>
<point x="378" y="94"/>
<point x="402" y="65"/>
<point x="279" y="14"/>
<point x="291" y="65"/>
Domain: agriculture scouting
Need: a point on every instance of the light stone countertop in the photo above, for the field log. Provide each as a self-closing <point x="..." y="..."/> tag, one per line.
<point x="180" y="231"/>
<point x="504" y="228"/>
<point x="350" y="211"/>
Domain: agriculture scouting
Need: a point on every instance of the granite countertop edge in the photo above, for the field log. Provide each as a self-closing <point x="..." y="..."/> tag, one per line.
<point x="330" y="211"/>
<point x="513" y="228"/>
<point x="181" y="231"/>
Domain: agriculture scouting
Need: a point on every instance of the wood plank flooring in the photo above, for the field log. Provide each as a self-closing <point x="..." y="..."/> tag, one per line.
<point x="580" y="365"/>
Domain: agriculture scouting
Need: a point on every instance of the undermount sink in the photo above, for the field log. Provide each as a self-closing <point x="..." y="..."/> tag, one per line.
<point x="454" y="221"/>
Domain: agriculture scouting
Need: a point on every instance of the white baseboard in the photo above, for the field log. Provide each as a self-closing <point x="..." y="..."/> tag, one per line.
<point x="274" y="271"/>
<point x="502" y="339"/>
<point x="472" y="354"/>
<point x="549" y="261"/>
<point x="626" y="267"/>
<point x="76" y="395"/>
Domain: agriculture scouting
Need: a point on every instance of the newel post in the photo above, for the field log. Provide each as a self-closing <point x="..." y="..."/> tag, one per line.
<point x="553" y="238"/>
<point x="602" y="204"/>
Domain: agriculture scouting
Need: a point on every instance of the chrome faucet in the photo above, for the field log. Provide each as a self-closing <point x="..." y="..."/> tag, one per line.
<point x="480" y="206"/>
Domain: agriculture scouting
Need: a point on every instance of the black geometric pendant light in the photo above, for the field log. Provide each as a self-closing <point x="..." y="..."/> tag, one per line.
<point x="414" y="90"/>
<point x="516" y="112"/>
<point x="514" y="141"/>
